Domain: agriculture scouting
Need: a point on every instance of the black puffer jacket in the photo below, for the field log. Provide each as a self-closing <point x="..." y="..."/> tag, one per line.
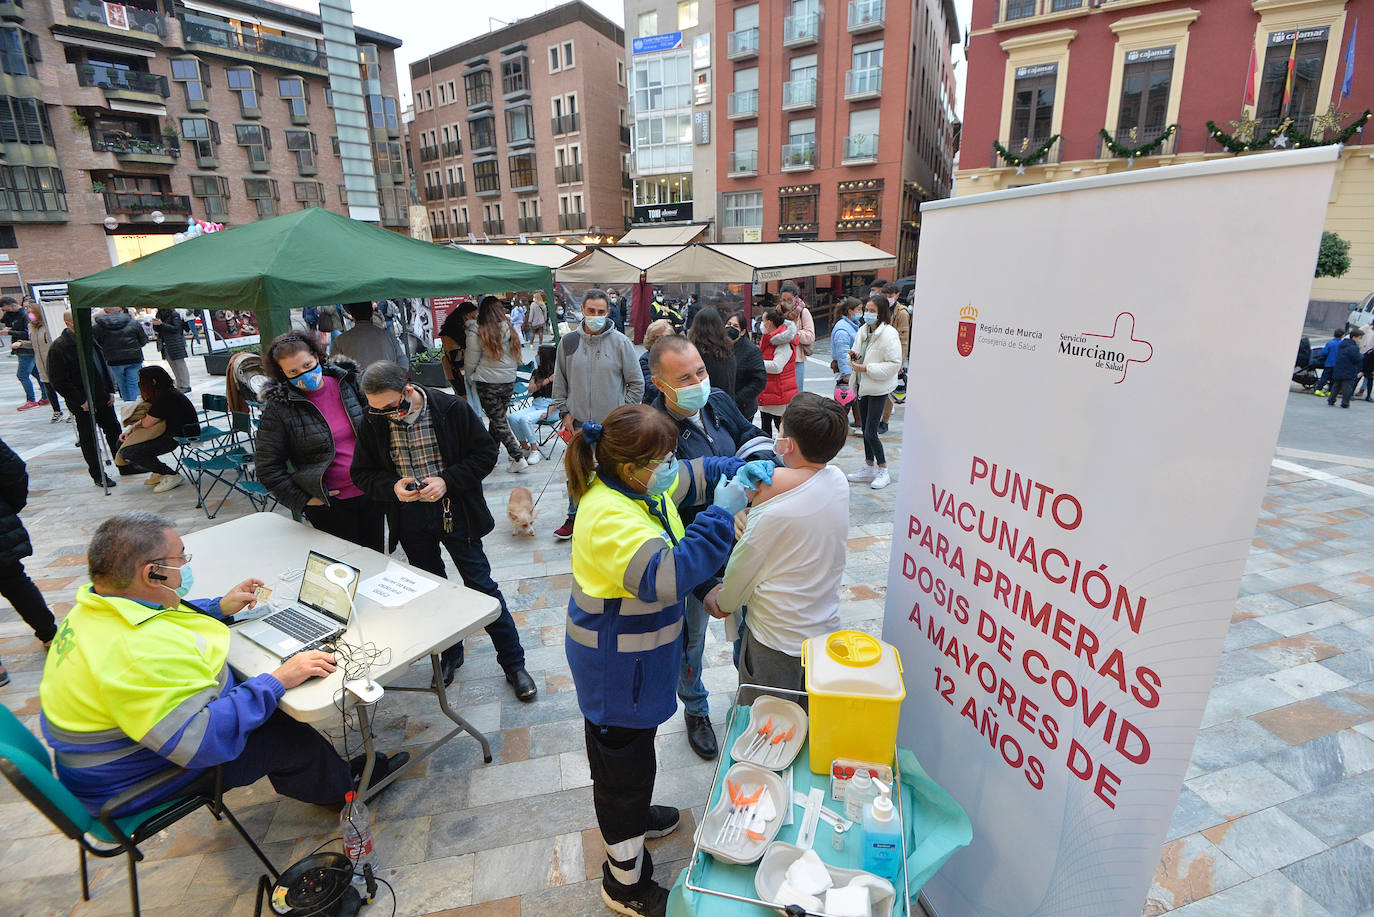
<point x="171" y="334"/>
<point x="121" y="336"/>
<point x="64" y="371"/>
<point x="14" y="494"/>
<point x="295" y="445"/>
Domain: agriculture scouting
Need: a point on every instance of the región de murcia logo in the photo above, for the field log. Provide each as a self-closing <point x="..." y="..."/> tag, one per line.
<point x="968" y="330"/>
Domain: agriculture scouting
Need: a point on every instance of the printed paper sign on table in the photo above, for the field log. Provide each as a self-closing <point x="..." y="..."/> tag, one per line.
<point x="1088" y="438"/>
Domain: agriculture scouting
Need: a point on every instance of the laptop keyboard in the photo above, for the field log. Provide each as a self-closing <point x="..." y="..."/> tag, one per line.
<point x="297" y="625"/>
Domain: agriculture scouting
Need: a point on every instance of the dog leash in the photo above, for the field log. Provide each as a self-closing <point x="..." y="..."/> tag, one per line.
<point x="547" y="481"/>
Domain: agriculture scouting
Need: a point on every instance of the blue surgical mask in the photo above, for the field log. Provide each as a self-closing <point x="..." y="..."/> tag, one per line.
<point x="594" y="323"/>
<point x="310" y="380"/>
<point x="870" y="318"/>
<point x="693" y="397"/>
<point x="188" y="579"/>
<point x="664" y="476"/>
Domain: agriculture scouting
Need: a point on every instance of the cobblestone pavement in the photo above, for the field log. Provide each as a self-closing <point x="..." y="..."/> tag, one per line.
<point x="1277" y="815"/>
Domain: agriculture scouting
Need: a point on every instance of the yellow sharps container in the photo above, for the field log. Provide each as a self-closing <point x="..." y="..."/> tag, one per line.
<point x="854" y="682"/>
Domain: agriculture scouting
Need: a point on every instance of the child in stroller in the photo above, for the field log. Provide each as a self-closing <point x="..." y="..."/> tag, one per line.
<point x="1304" y="372"/>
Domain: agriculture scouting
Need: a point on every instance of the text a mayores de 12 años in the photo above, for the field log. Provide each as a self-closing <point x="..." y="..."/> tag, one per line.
<point x="1009" y="336"/>
<point x="973" y="628"/>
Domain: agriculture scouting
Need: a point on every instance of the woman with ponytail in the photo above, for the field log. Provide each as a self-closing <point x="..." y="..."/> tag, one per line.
<point x="633" y="563"/>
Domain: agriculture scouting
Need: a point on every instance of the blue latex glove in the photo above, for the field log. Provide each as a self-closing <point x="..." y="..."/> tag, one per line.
<point x="755" y="473"/>
<point x="730" y="496"/>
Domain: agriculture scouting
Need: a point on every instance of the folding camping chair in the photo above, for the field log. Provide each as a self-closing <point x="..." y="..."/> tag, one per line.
<point x="234" y="468"/>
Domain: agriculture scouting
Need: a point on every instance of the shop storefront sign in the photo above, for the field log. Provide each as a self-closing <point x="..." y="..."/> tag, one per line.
<point x="664" y="213"/>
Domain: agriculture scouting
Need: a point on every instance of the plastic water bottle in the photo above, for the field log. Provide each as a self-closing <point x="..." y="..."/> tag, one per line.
<point x="356" y="822"/>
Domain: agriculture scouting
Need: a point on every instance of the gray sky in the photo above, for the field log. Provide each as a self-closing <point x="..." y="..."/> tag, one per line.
<point x="427" y="26"/>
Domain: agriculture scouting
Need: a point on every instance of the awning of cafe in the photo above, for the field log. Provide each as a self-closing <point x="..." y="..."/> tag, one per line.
<point x="664" y="235"/>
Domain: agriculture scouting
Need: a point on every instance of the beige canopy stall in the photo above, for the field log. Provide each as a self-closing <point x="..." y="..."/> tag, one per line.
<point x="614" y="264"/>
<point x="542" y="254"/>
<point x="760" y="262"/>
<point x="664" y="235"/>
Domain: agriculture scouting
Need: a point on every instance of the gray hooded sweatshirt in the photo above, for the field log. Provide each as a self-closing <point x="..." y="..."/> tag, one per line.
<point x="595" y="373"/>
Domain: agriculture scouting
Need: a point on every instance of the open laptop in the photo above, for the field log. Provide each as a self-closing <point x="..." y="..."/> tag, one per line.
<point x="319" y="616"/>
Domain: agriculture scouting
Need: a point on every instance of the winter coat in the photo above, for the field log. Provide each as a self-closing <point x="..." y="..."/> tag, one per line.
<point x="481" y="366"/>
<point x="293" y="431"/>
<point x="780" y="360"/>
<point x="880" y="352"/>
<point x="120" y="336"/>
<point x="750" y="377"/>
<point x="650" y="390"/>
<point x="469" y="454"/>
<point x="14" y="494"/>
<point x="1328" y="357"/>
<point x="171" y="334"/>
<point x="538" y="317"/>
<point x="1346" y="364"/>
<point x="901" y="320"/>
<point x="723" y="433"/>
<point x="595" y="373"/>
<point x="841" y="342"/>
<point x="42" y="343"/>
<point x="64" y="371"/>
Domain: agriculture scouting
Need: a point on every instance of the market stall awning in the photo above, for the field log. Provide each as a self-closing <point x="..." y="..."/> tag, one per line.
<point x="664" y="235"/>
<point x="309" y="258"/>
<point x="612" y="264"/>
<point x="543" y="254"/>
<point x="746" y="262"/>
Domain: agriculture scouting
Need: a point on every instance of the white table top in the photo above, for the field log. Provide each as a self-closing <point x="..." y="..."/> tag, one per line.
<point x="265" y="545"/>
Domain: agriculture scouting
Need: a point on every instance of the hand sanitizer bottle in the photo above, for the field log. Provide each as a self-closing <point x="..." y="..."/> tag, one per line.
<point x="882" y="845"/>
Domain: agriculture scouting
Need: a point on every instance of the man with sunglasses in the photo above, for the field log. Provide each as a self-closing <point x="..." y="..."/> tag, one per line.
<point x="137" y="684"/>
<point x="424" y="453"/>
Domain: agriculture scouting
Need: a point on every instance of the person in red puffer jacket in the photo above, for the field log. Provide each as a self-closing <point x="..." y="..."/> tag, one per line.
<point x="779" y="360"/>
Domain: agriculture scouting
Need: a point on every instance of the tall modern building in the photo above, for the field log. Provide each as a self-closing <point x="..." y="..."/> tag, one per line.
<point x="834" y="120"/>
<point x="121" y="120"/>
<point x="523" y="131"/>
<point x="671" y="99"/>
<point x="1066" y="88"/>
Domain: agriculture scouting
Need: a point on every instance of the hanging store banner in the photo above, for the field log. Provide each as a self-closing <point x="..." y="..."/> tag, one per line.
<point x="1076" y="512"/>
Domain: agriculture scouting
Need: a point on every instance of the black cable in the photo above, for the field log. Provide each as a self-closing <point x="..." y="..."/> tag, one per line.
<point x="390" y="889"/>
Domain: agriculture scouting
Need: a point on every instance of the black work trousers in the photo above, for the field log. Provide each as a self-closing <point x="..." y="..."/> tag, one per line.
<point x="623" y="767"/>
<point x="356" y="519"/>
<point x="109" y="426"/>
<point x="23" y="594"/>
<point x="298" y="761"/>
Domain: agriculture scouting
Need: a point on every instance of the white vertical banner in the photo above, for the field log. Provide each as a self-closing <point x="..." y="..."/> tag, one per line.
<point x="1099" y="368"/>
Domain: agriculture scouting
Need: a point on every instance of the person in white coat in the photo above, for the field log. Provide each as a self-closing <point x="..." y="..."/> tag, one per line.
<point x="875" y="359"/>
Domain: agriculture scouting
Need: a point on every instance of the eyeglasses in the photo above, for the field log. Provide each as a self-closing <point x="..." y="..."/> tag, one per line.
<point x="396" y="408"/>
<point x="185" y="559"/>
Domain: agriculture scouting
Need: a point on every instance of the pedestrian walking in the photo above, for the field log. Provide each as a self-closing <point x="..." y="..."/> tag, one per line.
<point x="1344" y="368"/>
<point x="1328" y="361"/>
<point x="842" y="338"/>
<point x="517" y="320"/>
<point x="492" y="355"/>
<point x="96" y="416"/>
<point x="193" y="322"/>
<point x="795" y="311"/>
<point x="170" y="327"/>
<point x="366" y="343"/>
<point x="875" y="359"/>
<point x="41" y="339"/>
<point x="121" y="338"/>
<point x="538" y="319"/>
<point x="901" y="320"/>
<point x="779" y="361"/>
<point x="15" y="585"/>
<point x="15" y="325"/>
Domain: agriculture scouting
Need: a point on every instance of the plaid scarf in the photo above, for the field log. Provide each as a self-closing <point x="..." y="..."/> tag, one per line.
<point x="415" y="447"/>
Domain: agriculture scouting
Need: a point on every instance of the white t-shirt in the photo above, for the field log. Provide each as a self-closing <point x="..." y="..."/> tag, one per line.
<point x="788" y="565"/>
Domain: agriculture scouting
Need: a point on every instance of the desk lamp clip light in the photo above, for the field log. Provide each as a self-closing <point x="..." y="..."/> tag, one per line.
<point x="364" y="689"/>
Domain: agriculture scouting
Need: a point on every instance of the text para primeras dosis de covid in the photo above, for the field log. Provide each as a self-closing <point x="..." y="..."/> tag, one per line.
<point x="1020" y="574"/>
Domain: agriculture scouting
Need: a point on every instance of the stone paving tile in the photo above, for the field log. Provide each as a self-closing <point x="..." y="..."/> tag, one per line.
<point x="1308" y="719"/>
<point x="1190" y="868"/>
<point x="1271" y="895"/>
<point x="532" y="866"/>
<point x="1322" y="761"/>
<point x="1338" y="812"/>
<point x="1264" y="841"/>
<point x="1339" y="878"/>
<point x="1244" y="788"/>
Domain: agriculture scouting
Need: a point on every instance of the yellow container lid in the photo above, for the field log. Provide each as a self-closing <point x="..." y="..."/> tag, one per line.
<point x="854" y="663"/>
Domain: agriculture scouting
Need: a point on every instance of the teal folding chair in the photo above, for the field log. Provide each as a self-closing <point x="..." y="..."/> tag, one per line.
<point x="520" y="395"/>
<point x="235" y="469"/>
<point x="25" y="763"/>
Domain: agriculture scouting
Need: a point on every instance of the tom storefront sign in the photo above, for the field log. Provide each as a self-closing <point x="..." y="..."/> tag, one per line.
<point x="664" y="213"/>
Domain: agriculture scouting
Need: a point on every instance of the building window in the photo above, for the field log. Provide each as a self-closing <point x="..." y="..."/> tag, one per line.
<point x="369" y="67"/>
<point x="486" y="176"/>
<point x="1308" y="57"/>
<point x="666" y="189"/>
<point x="663" y="144"/>
<point x="864" y="204"/>
<point x="620" y="72"/>
<point x="799" y="206"/>
<point x="18" y="52"/>
<point x="343" y="189"/>
<point x="24" y="121"/>
<point x="28" y="188"/>
<point x="648" y="24"/>
<point x="213" y="193"/>
<point x="302" y="143"/>
<point x="263" y="193"/>
<point x="520" y="124"/>
<point x="387" y="157"/>
<point x="443" y="99"/>
<point x="687" y="14"/>
<point x="309" y="193"/>
<point x="245" y="82"/>
<point x="522" y="171"/>
<point x="663" y="83"/>
<point x="1145" y="94"/>
<point x="555" y="58"/>
<point x="515" y="75"/>
<point x="478" y="88"/>
<point x="482" y="132"/>
<point x="1020" y="9"/>
<point x="334" y="145"/>
<point x="384" y="113"/>
<point x="297" y="95"/>
<point x="204" y="133"/>
<point x="1032" y="104"/>
<point x="255" y="140"/>
<point x="743" y="209"/>
<point x="193" y="78"/>
<point x="452" y="93"/>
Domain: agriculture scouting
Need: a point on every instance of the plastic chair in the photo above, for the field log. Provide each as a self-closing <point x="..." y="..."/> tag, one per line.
<point x="25" y="763"/>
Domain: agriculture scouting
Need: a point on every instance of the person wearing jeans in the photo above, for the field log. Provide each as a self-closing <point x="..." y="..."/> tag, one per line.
<point x="875" y="359"/>
<point x="15" y="585"/>
<point x="122" y="338"/>
<point x="38" y="336"/>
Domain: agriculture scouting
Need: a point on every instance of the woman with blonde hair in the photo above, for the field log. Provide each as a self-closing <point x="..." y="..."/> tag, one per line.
<point x="490" y="358"/>
<point x="659" y="328"/>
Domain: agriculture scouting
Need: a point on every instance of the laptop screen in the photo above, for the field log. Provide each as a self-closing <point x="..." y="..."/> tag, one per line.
<point x="319" y="593"/>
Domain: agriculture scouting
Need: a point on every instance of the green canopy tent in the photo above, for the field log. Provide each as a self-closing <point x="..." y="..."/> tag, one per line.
<point x="309" y="258"/>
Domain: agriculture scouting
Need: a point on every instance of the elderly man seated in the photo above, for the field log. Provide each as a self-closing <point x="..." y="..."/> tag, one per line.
<point x="137" y="682"/>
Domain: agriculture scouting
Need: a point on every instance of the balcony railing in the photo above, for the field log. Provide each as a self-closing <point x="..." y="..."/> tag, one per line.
<point x="569" y="173"/>
<point x="800" y="29"/>
<point x="1023" y="147"/>
<point x="429" y="153"/>
<point x="434" y="192"/>
<point x="119" y="142"/>
<point x="453" y="148"/>
<point x="743" y="43"/>
<point x="566" y="124"/>
<point x="866" y="83"/>
<point x="1143" y="136"/>
<point x="567" y="221"/>
<point x="277" y="47"/>
<point x="530" y="224"/>
<point x="483" y="140"/>
<point x="1009" y="10"/>
<point x="744" y="104"/>
<point x="799" y="93"/>
<point x="494" y="227"/>
<point x="799" y="156"/>
<point x="138" y="20"/>
<point x="866" y="15"/>
<point x="743" y="163"/>
<point x="111" y="79"/>
<point x="456" y="189"/>
<point x="140" y="203"/>
<point x="462" y="229"/>
<point x="861" y="148"/>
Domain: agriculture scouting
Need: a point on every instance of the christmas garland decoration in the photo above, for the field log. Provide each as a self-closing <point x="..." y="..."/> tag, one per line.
<point x="1136" y="152"/>
<point x="1236" y="146"/>
<point x="1030" y="158"/>
<point x="1287" y="130"/>
<point x="1350" y="130"/>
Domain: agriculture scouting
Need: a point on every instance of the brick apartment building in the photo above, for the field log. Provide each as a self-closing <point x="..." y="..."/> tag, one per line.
<point x="1084" y="87"/>
<point x="116" y="113"/>
<point x="834" y="119"/>
<point x="522" y="131"/>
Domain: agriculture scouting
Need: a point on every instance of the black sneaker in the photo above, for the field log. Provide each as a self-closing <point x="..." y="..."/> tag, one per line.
<point x="649" y="899"/>
<point x="663" y="820"/>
